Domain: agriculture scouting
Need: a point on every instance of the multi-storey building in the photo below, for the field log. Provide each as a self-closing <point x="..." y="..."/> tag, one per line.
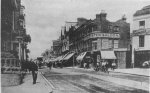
<point x="98" y="39"/>
<point x="8" y="56"/>
<point x="141" y="36"/>
<point x="13" y="25"/>
<point x="56" y="47"/>
<point x="64" y="40"/>
<point x="102" y="38"/>
<point x="65" y="36"/>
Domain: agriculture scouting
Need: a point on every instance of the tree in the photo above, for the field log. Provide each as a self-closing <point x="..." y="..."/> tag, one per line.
<point x="27" y="38"/>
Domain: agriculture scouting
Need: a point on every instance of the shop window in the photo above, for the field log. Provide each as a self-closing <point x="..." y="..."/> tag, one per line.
<point x="141" y="24"/>
<point x="141" y="41"/>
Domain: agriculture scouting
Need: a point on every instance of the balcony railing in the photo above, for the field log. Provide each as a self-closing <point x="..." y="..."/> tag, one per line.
<point x="141" y="31"/>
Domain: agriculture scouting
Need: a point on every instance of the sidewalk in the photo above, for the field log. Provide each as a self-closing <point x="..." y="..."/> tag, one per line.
<point x="8" y="80"/>
<point x="121" y="80"/>
<point x="136" y="71"/>
<point x="28" y="87"/>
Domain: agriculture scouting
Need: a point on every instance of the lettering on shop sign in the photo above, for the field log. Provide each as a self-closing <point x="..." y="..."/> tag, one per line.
<point x="105" y="35"/>
<point x="96" y="35"/>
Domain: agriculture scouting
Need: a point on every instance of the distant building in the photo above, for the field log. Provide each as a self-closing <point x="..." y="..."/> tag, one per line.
<point x="56" y="47"/>
<point x="141" y="36"/>
<point x="68" y="25"/>
<point x="65" y="36"/>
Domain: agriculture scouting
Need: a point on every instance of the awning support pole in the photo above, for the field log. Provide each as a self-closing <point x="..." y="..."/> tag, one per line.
<point x="73" y="61"/>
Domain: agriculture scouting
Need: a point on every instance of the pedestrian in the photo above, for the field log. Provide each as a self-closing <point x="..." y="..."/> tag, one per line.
<point x="85" y="65"/>
<point x="113" y="65"/>
<point x="97" y="66"/>
<point x="103" y="65"/>
<point x="106" y="67"/>
<point x="50" y="65"/>
<point x="34" y="69"/>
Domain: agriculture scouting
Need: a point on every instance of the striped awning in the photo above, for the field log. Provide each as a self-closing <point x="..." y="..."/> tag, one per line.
<point x="68" y="56"/>
<point x="81" y="56"/>
<point x="63" y="57"/>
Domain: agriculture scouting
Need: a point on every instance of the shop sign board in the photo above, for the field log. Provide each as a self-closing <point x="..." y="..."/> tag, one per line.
<point x="102" y="35"/>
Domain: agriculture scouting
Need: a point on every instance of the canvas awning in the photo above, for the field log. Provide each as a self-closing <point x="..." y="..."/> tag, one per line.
<point x="52" y="60"/>
<point x="81" y="56"/>
<point x="57" y="58"/>
<point x="68" y="56"/>
<point x="63" y="57"/>
<point x="108" y="55"/>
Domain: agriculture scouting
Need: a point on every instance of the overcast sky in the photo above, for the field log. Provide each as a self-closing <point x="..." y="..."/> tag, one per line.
<point x="44" y="18"/>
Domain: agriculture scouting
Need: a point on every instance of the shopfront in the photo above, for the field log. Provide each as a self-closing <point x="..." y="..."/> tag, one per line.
<point x="84" y="57"/>
<point x="100" y="56"/>
<point x="108" y="56"/>
<point x="69" y="60"/>
<point x="141" y="57"/>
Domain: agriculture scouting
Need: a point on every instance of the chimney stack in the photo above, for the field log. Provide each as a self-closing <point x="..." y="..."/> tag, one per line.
<point x="101" y="16"/>
<point x="124" y="18"/>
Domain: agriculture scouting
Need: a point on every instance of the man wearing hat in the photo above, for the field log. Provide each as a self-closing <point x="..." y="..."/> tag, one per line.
<point x="34" y="69"/>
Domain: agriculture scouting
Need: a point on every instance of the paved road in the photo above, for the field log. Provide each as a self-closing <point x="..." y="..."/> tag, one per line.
<point x="117" y="75"/>
<point x="70" y="81"/>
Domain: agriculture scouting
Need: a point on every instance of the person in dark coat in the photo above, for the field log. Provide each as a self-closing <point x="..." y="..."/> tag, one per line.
<point x="34" y="69"/>
<point x="50" y="65"/>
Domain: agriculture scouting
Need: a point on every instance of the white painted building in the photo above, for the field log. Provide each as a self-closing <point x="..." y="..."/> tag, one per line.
<point x="141" y="36"/>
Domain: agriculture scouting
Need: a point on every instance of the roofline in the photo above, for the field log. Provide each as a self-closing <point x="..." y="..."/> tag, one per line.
<point x="70" y="22"/>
